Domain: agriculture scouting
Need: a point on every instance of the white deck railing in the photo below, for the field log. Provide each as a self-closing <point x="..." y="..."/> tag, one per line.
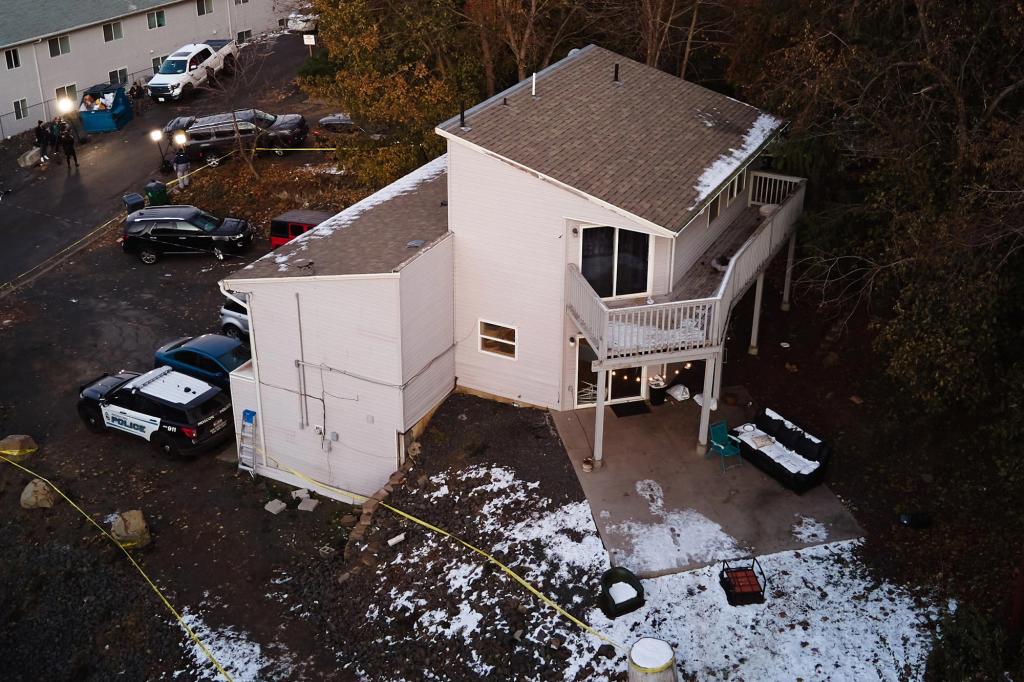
<point x="770" y="188"/>
<point x="637" y="331"/>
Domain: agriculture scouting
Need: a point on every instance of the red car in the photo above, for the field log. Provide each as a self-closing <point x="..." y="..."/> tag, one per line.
<point x="290" y="225"/>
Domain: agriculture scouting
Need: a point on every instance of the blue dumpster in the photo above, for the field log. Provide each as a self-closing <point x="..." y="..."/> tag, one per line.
<point x="114" y="112"/>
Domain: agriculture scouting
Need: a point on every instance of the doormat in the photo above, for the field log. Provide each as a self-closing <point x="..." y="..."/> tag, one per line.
<point x="630" y="409"/>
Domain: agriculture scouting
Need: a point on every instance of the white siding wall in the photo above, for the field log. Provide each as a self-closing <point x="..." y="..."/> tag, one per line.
<point x="91" y="58"/>
<point x="698" y="236"/>
<point x="351" y="325"/>
<point x="661" y="265"/>
<point x="512" y="244"/>
<point x="427" y="319"/>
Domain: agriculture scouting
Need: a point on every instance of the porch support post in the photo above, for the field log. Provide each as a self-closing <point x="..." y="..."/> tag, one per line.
<point x="789" y="271"/>
<point x="716" y="386"/>
<point x="602" y="380"/>
<point x="758" y="291"/>
<point x="705" y="409"/>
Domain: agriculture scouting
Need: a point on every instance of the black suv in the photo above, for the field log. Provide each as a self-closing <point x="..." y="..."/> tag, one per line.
<point x="157" y="230"/>
<point x="177" y="414"/>
<point x="210" y="138"/>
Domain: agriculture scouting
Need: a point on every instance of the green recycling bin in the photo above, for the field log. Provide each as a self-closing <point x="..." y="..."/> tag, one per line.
<point x="156" y="193"/>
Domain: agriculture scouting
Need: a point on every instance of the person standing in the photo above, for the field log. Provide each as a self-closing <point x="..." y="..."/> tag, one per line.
<point x="136" y="94"/>
<point x="181" y="167"/>
<point x="55" y="133"/>
<point x="67" y="143"/>
<point x="43" y="140"/>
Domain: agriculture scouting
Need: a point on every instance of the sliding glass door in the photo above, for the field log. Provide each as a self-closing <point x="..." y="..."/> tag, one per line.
<point x="615" y="261"/>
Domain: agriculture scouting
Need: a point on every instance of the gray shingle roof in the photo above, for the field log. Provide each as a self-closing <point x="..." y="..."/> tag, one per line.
<point x="370" y="236"/>
<point x="25" y="20"/>
<point x="653" y="145"/>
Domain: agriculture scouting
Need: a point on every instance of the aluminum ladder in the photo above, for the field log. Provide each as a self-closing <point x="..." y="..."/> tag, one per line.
<point x="247" y="443"/>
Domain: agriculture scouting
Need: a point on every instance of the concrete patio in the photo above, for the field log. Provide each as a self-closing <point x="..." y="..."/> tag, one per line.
<point x="662" y="509"/>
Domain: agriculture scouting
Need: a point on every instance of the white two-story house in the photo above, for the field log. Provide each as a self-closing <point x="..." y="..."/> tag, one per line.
<point x="599" y="222"/>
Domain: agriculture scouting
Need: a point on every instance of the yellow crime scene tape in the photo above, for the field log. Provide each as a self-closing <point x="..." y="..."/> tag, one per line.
<point x="152" y="585"/>
<point x="508" y="571"/>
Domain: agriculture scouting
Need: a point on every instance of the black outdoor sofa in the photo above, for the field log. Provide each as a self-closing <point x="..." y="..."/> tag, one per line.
<point x="793" y="457"/>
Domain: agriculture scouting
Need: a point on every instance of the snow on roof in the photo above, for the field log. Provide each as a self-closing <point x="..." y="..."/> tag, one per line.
<point x="371" y="235"/>
<point x="728" y="163"/>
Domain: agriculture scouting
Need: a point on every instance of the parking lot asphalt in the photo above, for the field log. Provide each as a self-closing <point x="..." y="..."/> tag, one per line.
<point x="52" y="208"/>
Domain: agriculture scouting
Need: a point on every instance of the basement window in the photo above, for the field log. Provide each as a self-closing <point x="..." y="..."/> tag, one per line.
<point x="498" y="339"/>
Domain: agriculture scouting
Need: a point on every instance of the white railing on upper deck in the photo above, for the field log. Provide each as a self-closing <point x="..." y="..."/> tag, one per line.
<point x="770" y="188"/>
<point x="678" y="326"/>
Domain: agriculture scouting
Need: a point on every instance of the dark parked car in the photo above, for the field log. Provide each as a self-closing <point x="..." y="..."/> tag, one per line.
<point x="177" y="414"/>
<point x="158" y="230"/>
<point x="211" y="138"/>
<point x="210" y="357"/>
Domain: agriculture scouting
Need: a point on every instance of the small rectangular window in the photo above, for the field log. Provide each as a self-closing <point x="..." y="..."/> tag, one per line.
<point x="68" y="91"/>
<point x="60" y="45"/>
<point x="112" y="31"/>
<point x="118" y="76"/>
<point x="158" y="62"/>
<point x="20" y="109"/>
<point x="244" y="36"/>
<point x="204" y="7"/>
<point x="497" y="339"/>
<point x="13" y="58"/>
<point x="713" y="209"/>
<point x="156" y="19"/>
<point x="241" y="2"/>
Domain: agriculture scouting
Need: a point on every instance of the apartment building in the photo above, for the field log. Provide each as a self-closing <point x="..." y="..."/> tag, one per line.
<point x="55" y="48"/>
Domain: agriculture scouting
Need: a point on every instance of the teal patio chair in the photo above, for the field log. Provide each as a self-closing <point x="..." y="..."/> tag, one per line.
<point x="724" y="444"/>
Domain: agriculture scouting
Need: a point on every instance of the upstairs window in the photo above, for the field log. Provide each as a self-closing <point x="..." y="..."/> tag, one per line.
<point x="60" y="45"/>
<point x="13" y="58"/>
<point x="614" y="261"/>
<point x="498" y="339"/>
<point x="244" y="36"/>
<point x="112" y="32"/>
<point x="204" y="7"/>
<point x="117" y="76"/>
<point x="157" y="62"/>
<point x="20" y="109"/>
<point x="69" y="91"/>
<point x="156" y="19"/>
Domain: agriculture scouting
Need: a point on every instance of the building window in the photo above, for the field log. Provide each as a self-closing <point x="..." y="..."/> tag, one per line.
<point x="156" y="19"/>
<point x="204" y="7"/>
<point x="241" y="2"/>
<point x="713" y="208"/>
<point x="282" y="22"/>
<point x="20" y="109"/>
<point x="244" y="36"/>
<point x="158" y="62"/>
<point x="112" y="32"/>
<point x="614" y="261"/>
<point x="69" y="91"/>
<point x="13" y="58"/>
<point x="498" y="339"/>
<point x="118" y="76"/>
<point x="60" y="45"/>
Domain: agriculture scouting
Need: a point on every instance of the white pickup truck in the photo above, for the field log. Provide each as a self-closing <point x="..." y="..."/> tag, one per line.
<point x="190" y="67"/>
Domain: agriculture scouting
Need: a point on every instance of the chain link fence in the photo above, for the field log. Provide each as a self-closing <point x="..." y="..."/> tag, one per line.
<point x="22" y="119"/>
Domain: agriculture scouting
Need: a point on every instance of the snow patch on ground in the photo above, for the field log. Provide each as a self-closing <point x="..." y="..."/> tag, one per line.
<point x="809" y="531"/>
<point x="242" y="658"/>
<point x="679" y="538"/>
<point x="728" y="163"/>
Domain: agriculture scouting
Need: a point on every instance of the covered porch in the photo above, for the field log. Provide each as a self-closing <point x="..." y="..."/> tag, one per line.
<point x="660" y="509"/>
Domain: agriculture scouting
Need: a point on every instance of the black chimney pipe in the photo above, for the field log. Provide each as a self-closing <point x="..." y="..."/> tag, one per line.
<point x="616" y="79"/>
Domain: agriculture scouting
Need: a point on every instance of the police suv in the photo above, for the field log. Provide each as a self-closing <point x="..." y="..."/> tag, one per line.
<point x="176" y="413"/>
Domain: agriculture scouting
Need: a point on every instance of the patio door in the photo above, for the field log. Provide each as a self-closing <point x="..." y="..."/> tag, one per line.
<point x="616" y="262"/>
<point x="621" y="385"/>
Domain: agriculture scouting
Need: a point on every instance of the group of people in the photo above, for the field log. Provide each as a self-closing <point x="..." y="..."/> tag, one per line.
<point x="56" y="135"/>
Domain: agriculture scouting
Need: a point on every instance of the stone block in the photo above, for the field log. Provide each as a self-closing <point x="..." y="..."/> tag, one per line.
<point x="308" y="504"/>
<point x="275" y="506"/>
<point x="37" y="495"/>
<point x="300" y="494"/>
<point x="130" y="530"/>
<point x="18" y="447"/>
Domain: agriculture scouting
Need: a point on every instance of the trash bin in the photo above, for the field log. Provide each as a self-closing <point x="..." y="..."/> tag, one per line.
<point x="657" y="390"/>
<point x="156" y="192"/>
<point x="134" y="202"/>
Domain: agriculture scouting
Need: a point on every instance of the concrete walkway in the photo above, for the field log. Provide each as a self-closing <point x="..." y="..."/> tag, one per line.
<point x="661" y="509"/>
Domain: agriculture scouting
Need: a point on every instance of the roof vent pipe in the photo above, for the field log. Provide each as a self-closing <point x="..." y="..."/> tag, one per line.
<point x="504" y="101"/>
<point x="462" y="118"/>
<point x="533" y="90"/>
<point x="616" y="78"/>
